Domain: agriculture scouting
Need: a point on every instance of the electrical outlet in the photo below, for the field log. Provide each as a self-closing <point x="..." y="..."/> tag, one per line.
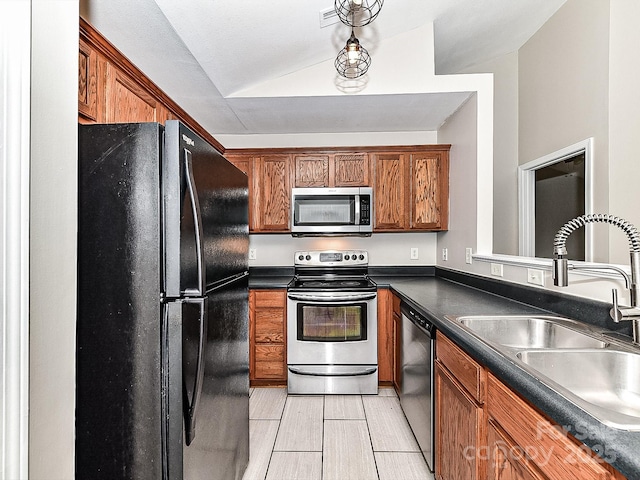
<point x="467" y="255"/>
<point x="414" y="253"/>
<point x="252" y="254"/>
<point x="535" y="276"/>
<point x="445" y="254"/>
<point x="497" y="269"/>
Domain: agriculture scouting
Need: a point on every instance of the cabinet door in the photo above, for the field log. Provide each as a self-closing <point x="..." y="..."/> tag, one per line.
<point x="429" y="191"/>
<point x="506" y="461"/>
<point x="273" y="193"/>
<point x="459" y="431"/>
<point x="126" y="100"/>
<point x="351" y="170"/>
<point x="311" y="170"/>
<point x="87" y="82"/>
<point x="385" y="336"/>
<point x="390" y="192"/>
<point x="245" y="164"/>
<point x="397" y="344"/>
<point x="267" y="337"/>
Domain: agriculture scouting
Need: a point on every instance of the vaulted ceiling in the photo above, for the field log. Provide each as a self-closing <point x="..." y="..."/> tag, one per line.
<point x="215" y="58"/>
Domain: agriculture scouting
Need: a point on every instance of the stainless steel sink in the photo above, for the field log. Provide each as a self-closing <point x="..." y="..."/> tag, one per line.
<point x="520" y="332"/>
<point x="604" y="383"/>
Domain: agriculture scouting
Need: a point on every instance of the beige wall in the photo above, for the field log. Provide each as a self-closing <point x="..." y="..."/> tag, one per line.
<point x="53" y="238"/>
<point x="624" y="120"/>
<point x="563" y="83"/>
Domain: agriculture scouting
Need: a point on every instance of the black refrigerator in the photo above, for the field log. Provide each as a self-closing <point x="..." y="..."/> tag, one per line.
<point x="162" y="354"/>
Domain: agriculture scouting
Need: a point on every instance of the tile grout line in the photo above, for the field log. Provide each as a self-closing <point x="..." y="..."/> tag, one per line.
<point x="366" y="418"/>
<point x="273" y="447"/>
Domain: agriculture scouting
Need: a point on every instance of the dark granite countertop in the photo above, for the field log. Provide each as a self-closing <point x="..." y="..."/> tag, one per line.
<point x="436" y="297"/>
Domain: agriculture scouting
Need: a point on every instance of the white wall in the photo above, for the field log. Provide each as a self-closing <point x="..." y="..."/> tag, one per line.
<point x="54" y="101"/>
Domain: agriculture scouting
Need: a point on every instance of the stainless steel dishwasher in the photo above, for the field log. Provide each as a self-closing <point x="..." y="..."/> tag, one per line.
<point x="416" y="384"/>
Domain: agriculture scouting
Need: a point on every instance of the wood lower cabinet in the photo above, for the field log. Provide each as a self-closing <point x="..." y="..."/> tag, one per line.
<point x="385" y="336"/>
<point x="484" y="430"/>
<point x="460" y="427"/>
<point x="268" y="336"/>
<point x="397" y="343"/>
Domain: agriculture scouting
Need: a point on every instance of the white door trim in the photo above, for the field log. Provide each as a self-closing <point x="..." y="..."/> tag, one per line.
<point x="527" y="199"/>
<point x="15" y="106"/>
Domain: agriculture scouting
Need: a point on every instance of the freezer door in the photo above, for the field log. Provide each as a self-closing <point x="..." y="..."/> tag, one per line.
<point x="206" y="214"/>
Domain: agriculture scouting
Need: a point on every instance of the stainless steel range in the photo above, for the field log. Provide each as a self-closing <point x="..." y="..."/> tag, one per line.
<point x="332" y="324"/>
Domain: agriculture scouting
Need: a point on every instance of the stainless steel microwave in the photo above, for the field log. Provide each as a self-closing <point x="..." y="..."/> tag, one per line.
<point x="332" y="211"/>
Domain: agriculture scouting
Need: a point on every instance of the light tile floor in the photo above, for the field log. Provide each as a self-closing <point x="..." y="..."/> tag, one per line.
<point x="332" y="437"/>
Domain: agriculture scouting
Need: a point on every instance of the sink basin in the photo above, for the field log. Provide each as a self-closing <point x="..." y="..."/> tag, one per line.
<point x="605" y="383"/>
<point x="526" y="332"/>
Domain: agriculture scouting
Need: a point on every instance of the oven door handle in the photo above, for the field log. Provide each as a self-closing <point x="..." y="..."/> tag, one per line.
<point x="350" y="373"/>
<point x="333" y="298"/>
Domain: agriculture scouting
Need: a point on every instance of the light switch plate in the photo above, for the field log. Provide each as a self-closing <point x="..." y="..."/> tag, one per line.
<point x="497" y="269"/>
<point x="535" y="276"/>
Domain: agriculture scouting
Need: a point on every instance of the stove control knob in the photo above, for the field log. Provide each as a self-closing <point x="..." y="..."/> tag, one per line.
<point x="308" y="257"/>
<point x="300" y="257"/>
<point x="361" y="257"/>
<point x="346" y="257"/>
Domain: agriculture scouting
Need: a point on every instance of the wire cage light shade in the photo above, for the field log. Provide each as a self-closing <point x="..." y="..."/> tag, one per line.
<point x="353" y="60"/>
<point x="358" y="13"/>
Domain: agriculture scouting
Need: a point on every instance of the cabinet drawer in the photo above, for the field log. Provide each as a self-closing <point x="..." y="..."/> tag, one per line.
<point x="266" y="370"/>
<point x="270" y="298"/>
<point x="466" y="370"/>
<point x="269" y="353"/>
<point x="558" y="455"/>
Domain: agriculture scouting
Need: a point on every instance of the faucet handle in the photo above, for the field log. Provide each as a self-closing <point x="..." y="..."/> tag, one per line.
<point x="615" y="312"/>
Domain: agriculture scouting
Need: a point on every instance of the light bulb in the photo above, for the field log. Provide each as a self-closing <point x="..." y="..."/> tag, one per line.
<point x="356" y="4"/>
<point x="353" y="54"/>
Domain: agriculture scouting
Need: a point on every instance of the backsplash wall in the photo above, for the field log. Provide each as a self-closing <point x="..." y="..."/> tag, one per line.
<point x="383" y="248"/>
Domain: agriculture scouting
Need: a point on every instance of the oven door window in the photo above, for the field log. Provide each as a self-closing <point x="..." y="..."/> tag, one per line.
<point x="332" y="322"/>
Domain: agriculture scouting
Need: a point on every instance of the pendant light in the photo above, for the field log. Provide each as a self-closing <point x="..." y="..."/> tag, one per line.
<point x="358" y="13"/>
<point x="353" y="60"/>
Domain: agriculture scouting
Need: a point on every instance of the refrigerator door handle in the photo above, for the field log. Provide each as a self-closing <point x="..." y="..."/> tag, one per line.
<point x="192" y="408"/>
<point x="197" y="222"/>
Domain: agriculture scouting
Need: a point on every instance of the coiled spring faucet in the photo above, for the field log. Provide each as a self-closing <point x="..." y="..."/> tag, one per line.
<point x="561" y="265"/>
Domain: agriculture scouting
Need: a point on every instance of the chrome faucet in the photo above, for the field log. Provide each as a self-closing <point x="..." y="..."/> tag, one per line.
<point x="561" y="266"/>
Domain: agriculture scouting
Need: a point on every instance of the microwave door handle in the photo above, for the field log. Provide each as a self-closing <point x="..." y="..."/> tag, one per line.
<point x="197" y="224"/>
<point x="357" y="212"/>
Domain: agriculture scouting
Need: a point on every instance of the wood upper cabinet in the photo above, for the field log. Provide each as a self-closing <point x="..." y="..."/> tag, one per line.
<point x="429" y="187"/>
<point x="126" y="100"/>
<point x="267" y="336"/>
<point x="311" y="170"/>
<point x="245" y="164"/>
<point x="411" y="190"/>
<point x="351" y="170"/>
<point x="272" y="192"/>
<point x="390" y="192"/>
<point x="331" y="170"/>
<point x="87" y="82"/>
